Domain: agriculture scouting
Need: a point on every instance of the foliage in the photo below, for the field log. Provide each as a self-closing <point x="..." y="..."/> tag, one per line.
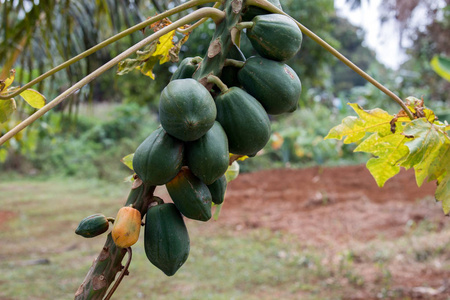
<point x="397" y="141"/>
<point x="84" y="148"/>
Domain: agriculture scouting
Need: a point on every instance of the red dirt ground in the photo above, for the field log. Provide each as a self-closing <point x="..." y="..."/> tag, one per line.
<point x="340" y="208"/>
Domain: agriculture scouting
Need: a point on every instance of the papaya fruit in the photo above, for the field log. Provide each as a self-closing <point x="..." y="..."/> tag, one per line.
<point x="190" y="195"/>
<point x="159" y="158"/>
<point x="92" y="226"/>
<point x="218" y="189"/>
<point x="186" y="68"/>
<point x="208" y="156"/>
<point x="166" y="239"/>
<point x="274" y="84"/>
<point x="127" y="226"/>
<point x="275" y="36"/>
<point x="244" y="120"/>
<point x="186" y="109"/>
<point x="249" y="12"/>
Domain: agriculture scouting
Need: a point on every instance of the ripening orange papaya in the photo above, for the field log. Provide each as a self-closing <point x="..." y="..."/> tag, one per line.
<point x="127" y="226"/>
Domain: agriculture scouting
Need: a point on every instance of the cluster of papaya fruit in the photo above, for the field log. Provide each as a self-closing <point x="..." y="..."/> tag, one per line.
<point x="190" y="151"/>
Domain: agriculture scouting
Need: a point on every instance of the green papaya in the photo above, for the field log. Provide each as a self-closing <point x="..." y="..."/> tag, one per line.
<point x="274" y="84"/>
<point x="159" y="158"/>
<point x="166" y="239"/>
<point x="186" y="68"/>
<point x="218" y="189"/>
<point x="208" y="156"/>
<point x="190" y="195"/>
<point x="249" y="12"/>
<point x="244" y="120"/>
<point x="275" y="36"/>
<point x="186" y="109"/>
<point x="92" y="226"/>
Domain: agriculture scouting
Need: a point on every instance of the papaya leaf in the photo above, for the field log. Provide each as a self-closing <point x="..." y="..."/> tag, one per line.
<point x="389" y="151"/>
<point x="440" y="166"/>
<point x="426" y="140"/>
<point x="33" y="98"/>
<point x="128" y="161"/>
<point x="3" y="155"/>
<point x="441" y="65"/>
<point x="443" y="193"/>
<point x="355" y="129"/>
<point x="128" y="65"/>
<point x="7" y="108"/>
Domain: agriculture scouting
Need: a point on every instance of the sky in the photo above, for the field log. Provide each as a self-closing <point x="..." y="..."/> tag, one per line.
<point x="383" y="39"/>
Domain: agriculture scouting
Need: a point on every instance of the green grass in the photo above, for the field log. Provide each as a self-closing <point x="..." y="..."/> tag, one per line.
<point x="223" y="263"/>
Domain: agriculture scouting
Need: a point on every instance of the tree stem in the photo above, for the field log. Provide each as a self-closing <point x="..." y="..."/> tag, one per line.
<point x="213" y="13"/>
<point x="105" y="43"/>
<point x="270" y="7"/>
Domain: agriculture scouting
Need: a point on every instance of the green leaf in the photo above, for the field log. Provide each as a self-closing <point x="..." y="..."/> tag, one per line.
<point x="33" y="98"/>
<point x="441" y="65"/>
<point x="7" y="108"/>
<point x="390" y="150"/>
<point x="128" y="161"/>
<point x="355" y="129"/>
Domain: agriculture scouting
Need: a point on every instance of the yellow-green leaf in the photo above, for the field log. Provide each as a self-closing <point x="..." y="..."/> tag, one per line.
<point x="165" y="43"/>
<point x="33" y="98"/>
<point x="390" y="150"/>
<point x="8" y="81"/>
<point x="354" y="129"/>
<point x="128" y="161"/>
<point x="441" y="65"/>
<point x="7" y="107"/>
<point x="443" y="193"/>
<point x="426" y="139"/>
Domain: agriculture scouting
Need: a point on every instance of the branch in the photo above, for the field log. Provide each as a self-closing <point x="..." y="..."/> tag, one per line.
<point x="270" y="7"/>
<point x="105" y="43"/>
<point x="213" y="13"/>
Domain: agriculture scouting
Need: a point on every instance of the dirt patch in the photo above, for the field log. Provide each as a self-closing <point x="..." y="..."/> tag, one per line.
<point x="5" y="217"/>
<point x="329" y="206"/>
<point x="336" y="209"/>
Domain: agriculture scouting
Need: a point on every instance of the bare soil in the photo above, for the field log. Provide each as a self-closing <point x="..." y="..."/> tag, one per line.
<point x="336" y="209"/>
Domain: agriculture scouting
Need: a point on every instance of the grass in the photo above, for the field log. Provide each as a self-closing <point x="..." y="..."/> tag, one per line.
<point x="42" y="258"/>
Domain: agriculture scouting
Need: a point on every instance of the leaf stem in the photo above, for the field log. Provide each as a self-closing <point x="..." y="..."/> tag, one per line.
<point x="244" y="25"/>
<point x="270" y="7"/>
<point x="233" y="63"/>
<point x="107" y="42"/>
<point x="198" y="23"/>
<point x="213" y="13"/>
<point x="216" y="80"/>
